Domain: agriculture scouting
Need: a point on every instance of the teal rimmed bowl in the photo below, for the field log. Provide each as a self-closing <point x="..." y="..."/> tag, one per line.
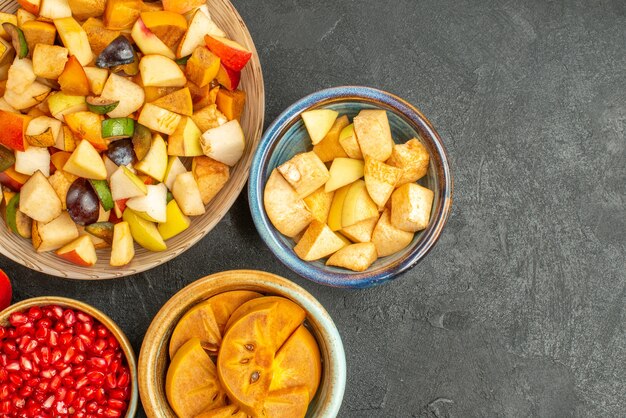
<point x="287" y="136"/>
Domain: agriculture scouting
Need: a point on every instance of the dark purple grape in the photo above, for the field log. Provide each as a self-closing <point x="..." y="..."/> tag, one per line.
<point x="83" y="204"/>
<point x="121" y="152"/>
<point x="118" y="52"/>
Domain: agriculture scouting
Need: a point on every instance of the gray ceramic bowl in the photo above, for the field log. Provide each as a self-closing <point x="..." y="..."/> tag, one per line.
<point x="287" y="136"/>
<point x="154" y="360"/>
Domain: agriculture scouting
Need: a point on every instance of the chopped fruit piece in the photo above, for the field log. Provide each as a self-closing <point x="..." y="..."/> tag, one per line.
<point x="12" y="179"/>
<point x="329" y="148"/>
<point x="66" y="140"/>
<point x="99" y="37"/>
<point x="203" y="96"/>
<point x="17" y="38"/>
<point x="88" y="126"/>
<point x="58" y="159"/>
<point x="123" y="246"/>
<point x="291" y="402"/>
<point x="121" y="14"/>
<point x="61" y="183"/>
<point x="152" y="206"/>
<point x="11" y="18"/>
<point x="49" y="60"/>
<point x="102" y="230"/>
<point x="101" y="187"/>
<point x="142" y="141"/>
<point x="86" y="162"/>
<point x="83" y="9"/>
<point x="73" y="80"/>
<point x="38" y="200"/>
<point x="319" y="203"/>
<point x="118" y="52"/>
<point x="174" y="168"/>
<point x="32" y="160"/>
<point x="411" y="205"/>
<point x="120" y="152"/>
<point x="387" y="238"/>
<point x="358" y="205"/>
<point x="130" y="95"/>
<point x="148" y="42"/>
<point x="17" y="222"/>
<point x="43" y="131"/>
<point x="82" y="202"/>
<point x="62" y="104"/>
<point x="159" y="119"/>
<point x="232" y="54"/>
<point x="118" y="128"/>
<point x="34" y="94"/>
<point x="200" y="25"/>
<point x="412" y="158"/>
<point x="318" y="242"/>
<point x="305" y="172"/>
<point x="202" y="67"/>
<point x="185" y="141"/>
<point x="176" y="222"/>
<point x="231" y="103"/>
<point x="20" y="76"/>
<point x="7" y="158"/>
<point x="210" y="175"/>
<point x="169" y="27"/>
<point x="153" y="93"/>
<point x="38" y="33"/>
<point x="226" y="143"/>
<point x="74" y="39"/>
<point x="228" y="78"/>
<point x="177" y="102"/>
<point x="374" y="134"/>
<point x="145" y="233"/>
<point x="318" y="123"/>
<point x="23" y="16"/>
<point x="13" y="129"/>
<point x="344" y="171"/>
<point x="125" y="184"/>
<point x="360" y="231"/>
<point x="80" y="252"/>
<point x="187" y="194"/>
<point x="97" y="77"/>
<point x="285" y="209"/>
<point x="181" y="6"/>
<point x="208" y="118"/>
<point x="55" y="9"/>
<point x="380" y="180"/>
<point x="54" y="234"/>
<point x="349" y="143"/>
<point x="31" y="6"/>
<point x="157" y="70"/>
<point x="101" y="106"/>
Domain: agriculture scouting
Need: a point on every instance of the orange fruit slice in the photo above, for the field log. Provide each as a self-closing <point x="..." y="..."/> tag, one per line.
<point x="191" y="384"/>
<point x="230" y="411"/>
<point x="287" y="403"/>
<point x="298" y="363"/>
<point x="255" y="332"/>
<point x="207" y="320"/>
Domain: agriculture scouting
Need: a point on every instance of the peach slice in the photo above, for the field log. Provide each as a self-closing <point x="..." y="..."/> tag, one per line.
<point x="73" y="80"/>
<point x="169" y="27"/>
<point x="207" y="320"/>
<point x="13" y="127"/>
<point x="191" y="384"/>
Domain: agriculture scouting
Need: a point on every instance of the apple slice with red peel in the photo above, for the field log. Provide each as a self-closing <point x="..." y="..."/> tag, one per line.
<point x="12" y="179"/>
<point x="148" y="42"/>
<point x="80" y="252"/>
<point x="6" y="290"/>
<point x="228" y="78"/>
<point x="232" y="54"/>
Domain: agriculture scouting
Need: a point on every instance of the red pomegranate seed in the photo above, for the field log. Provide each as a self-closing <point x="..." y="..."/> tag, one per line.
<point x="13" y="366"/>
<point x="78" y="344"/>
<point x="111" y="381"/>
<point x="95" y="376"/>
<point x="57" y="311"/>
<point x="102" y="331"/>
<point x="65" y="372"/>
<point x="15" y="379"/>
<point x="61" y="392"/>
<point x="119" y="394"/>
<point x="19" y="403"/>
<point x="3" y="332"/>
<point x="69" y="317"/>
<point x="59" y="327"/>
<point x="87" y="392"/>
<point x="26" y="364"/>
<point x="48" y="402"/>
<point x="86" y="340"/>
<point x="79" y="403"/>
<point x="112" y="413"/>
<point x="35" y="313"/>
<point x="55" y="382"/>
<point x="69" y="382"/>
<point x="26" y="329"/>
<point x="53" y="340"/>
<point x="122" y="380"/>
<point x="82" y="382"/>
<point x="45" y="355"/>
<point x="99" y="346"/>
<point x="61" y="408"/>
<point x="69" y="355"/>
<point x="4" y="391"/>
<point x="48" y="373"/>
<point x="5" y="406"/>
<point x="56" y="356"/>
<point x="65" y="338"/>
<point x="117" y="404"/>
<point x="26" y="391"/>
<point x="44" y="323"/>
<point x="92" y="406"/>
<point x="100" y="396"/>
<point x="4" y="375"/>
<point x="71" y="395"/>
<point x="98" y="362"/>
<point x="83" y="317"/>
<point x="16" y="319"/>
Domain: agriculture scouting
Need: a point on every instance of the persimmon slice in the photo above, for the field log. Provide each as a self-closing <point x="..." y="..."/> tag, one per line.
<point x="230" y="411"/>
<point x="191" y="384"/>
<point x="207" y="320"/>
<point x="298" y="363"/>
<point x="287" y="403"/>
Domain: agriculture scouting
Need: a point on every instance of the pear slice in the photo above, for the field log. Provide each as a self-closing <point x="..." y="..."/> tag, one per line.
<point x="355" y="257"/>
<point x="318" y="122"/>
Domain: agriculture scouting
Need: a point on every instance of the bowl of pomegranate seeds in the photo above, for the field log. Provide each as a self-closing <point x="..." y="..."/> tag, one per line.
<point x="63" y="358"/>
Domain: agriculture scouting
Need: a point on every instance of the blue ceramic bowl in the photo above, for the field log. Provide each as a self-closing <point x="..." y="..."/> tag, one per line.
<point x="287" y="137"/>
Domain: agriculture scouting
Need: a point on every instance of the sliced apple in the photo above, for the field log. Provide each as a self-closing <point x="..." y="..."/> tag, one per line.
<point x="336" y="208"/>
<point x="355" y="257"/>
<point x="226" y="143"/>
<point x="169" y="27"/>
<point x="49" y="60"/>
<point x="123" y="248"/>
<point x="344" y="171"/>
<point x="232" y="54"/>
<point x="187" y="194"/>
<point x="152" y="206"/>
<point x="358" y="205"/>
<point x="349" y="143"/>
<point x="80" y="251"/>
<point x="144" y="232"/>
<point x="125" y="184"/>
<point x="318" y="242"/>
<point x="74" y="38"/>
<point x="54" y="234"/>
<point x="360" y="231"/>
<point x="21" y="76"/>
<point x="38" y="200"/>
<point x="199" y="26"/>
<point x="158" y="70"/>
<point x="228" y="78"/>
<point x="159" y="119"/>
<point x="86" y="162"/>
<point x="285" y="209"/>
<point x="148" y="42"/>
<point x="61" y="104"/>
<point x="154" y="163"/>
<point x="305" y="172"/>
<point x="13" y="129"/>
<point x="318" y="123"/>
<point x="34" y="159"/>
<point x="329" y="148"/>
<point x="130" y="95"/>
<point x="373" y="133"/>
<point x="174" y="168"/>
<point x="380" y="180"/>
<point x="412" y="158"/>
<point x="210" y="175"/>
<point x="176" y="222"/>
<point x="32" y="96"/>
<point x="387" y="238"/>
<point x="411" y="205"/>
<point x="185" y="141"/>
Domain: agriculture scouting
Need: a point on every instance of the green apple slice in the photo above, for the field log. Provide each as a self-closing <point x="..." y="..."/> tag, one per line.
<point x="144" y="232"/>
<point x="176" y="222"/>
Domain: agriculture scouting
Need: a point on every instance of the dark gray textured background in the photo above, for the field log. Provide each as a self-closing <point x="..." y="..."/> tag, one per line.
<point x="519" y="310"/>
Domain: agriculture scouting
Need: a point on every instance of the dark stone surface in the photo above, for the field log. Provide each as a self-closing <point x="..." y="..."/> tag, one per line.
<point x="519" y="310"/>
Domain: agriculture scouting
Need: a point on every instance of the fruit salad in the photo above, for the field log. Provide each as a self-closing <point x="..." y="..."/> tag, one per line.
<point x="267" y="361"/>
<point x="355" y="196"/>
<point x="60" y="362"/>
<point x="120" y="121"/>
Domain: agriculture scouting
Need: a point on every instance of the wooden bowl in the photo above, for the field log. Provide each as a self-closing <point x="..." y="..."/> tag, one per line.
<point x="154" y="359"/>
<point x="104" y="320"/>
<point x="21" y="250"/>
